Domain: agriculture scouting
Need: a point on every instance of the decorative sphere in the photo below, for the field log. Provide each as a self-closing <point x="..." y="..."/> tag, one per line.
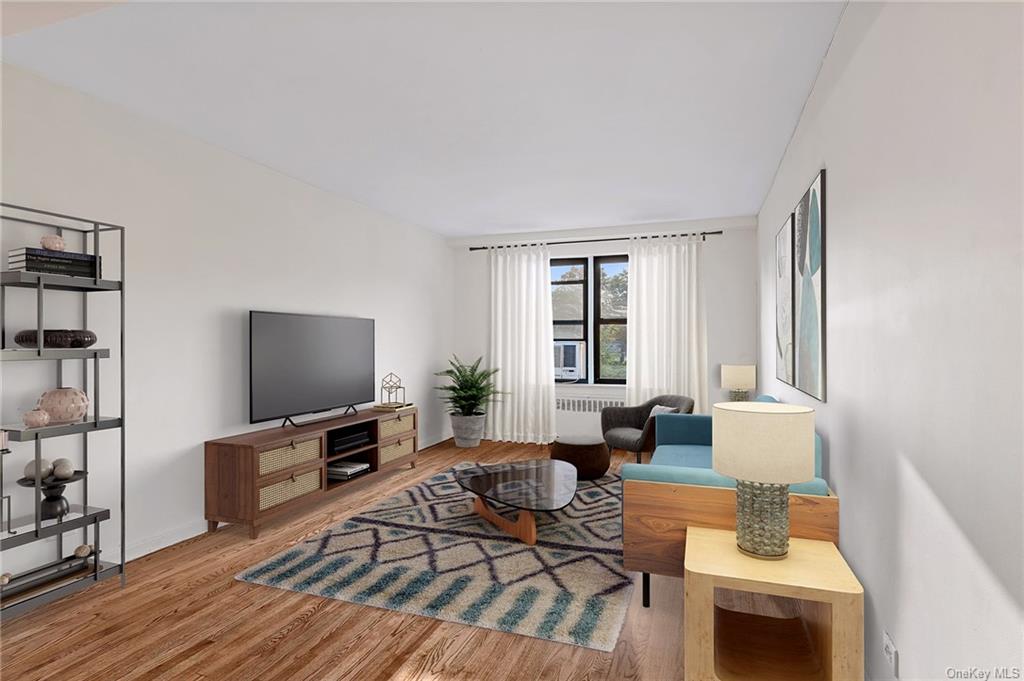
<point x="36" y="418"/>
<point x="64" y="405"/>
<point x="45" y="468"/>
<point x="63" y="469"/>
<point x="5" y="578"/>
<point x="52" y="242"/>
<point x="83" y="550"/>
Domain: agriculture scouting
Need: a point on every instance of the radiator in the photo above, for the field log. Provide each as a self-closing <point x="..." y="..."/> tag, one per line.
<point x="585" y="404"/>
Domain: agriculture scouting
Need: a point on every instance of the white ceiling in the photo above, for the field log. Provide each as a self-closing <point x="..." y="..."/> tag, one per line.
<point x="469" y="119"/>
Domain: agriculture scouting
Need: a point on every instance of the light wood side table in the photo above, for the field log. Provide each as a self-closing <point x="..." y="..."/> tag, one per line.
<point x="826" y="643"/>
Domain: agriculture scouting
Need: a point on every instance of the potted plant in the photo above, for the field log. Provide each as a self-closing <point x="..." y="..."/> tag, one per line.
<point x="469" y="391"/>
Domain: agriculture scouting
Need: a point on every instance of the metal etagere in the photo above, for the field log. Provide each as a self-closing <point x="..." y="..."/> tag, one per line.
<point x="68" y="573"/>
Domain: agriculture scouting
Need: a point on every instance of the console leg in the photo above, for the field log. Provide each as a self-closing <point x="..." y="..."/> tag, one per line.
<point x="211" y="525"/>
<point x="253" y="531"/>
<point x="647" y="589"/>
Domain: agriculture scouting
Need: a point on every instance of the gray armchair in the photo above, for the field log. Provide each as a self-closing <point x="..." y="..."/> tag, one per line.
<point x="632" y="429"/>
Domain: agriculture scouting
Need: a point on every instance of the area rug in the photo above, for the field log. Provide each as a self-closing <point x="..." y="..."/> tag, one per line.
<point x="425" y="551"/>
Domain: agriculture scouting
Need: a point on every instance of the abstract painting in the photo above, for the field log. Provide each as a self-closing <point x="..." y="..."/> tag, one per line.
<point x="809" y="290"/>
<point x="784" y="303"/>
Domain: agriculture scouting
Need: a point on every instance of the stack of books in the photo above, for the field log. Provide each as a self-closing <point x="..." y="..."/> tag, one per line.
<point x="346" y="470"/>
<point x="394" y="406"/>
<point x="54" y="262"/>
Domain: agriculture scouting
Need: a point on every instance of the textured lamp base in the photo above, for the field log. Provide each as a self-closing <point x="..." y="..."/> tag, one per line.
<point x="762" y="519"/>
<point x="739" y="395"/>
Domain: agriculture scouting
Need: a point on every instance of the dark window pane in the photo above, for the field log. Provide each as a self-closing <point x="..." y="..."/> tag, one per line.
<point x="614" y="284"/>
<point x="567" y="301"/>
<point x="568" y="332"/>
<point x="612" y="351"/>
<point x="567" y="272"/>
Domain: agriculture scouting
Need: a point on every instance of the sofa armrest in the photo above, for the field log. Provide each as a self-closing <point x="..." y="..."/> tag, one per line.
<point x="682" y="429"/>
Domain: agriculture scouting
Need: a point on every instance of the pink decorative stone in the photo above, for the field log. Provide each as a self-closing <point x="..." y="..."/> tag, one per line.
<point x="37" y="418"/>
<point x="64" y="405"/>
<point x="52" y="242"/>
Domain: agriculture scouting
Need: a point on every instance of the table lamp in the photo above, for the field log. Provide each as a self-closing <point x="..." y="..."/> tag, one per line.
<point x="765" y="446"/>
<point x="739" y="380"/>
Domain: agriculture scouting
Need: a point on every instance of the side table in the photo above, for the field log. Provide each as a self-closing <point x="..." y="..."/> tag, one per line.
<point x="826" y="643"/>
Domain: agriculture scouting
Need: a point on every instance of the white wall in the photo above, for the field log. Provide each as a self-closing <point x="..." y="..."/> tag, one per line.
<point x="730" y="266"/>
<point x="211" y="235"/>
<point x="917" y="117"/>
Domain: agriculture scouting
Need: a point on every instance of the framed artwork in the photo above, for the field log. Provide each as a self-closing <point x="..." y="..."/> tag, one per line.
<point x="809" y="290"/>
<point x="784" y="303"/>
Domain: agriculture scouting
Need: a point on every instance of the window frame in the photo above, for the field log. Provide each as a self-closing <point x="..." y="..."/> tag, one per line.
<point x="600" y="321"/>
<point x="583" y="323"/>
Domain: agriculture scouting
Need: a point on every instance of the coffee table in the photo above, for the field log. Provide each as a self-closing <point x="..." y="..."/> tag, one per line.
<point x="534" y="485"/>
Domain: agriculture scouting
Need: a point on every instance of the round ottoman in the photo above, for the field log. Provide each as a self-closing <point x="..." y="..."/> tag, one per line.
<point x="589" y="454"/>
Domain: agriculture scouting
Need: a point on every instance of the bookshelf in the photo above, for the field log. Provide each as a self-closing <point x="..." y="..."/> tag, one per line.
<point x="66" y="573"/>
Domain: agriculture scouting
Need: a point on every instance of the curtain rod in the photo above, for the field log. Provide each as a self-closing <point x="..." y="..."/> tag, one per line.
<point x="702" y="235"/>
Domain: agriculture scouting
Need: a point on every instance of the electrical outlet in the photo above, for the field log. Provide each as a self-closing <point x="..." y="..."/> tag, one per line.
<point x="892" y="655"/>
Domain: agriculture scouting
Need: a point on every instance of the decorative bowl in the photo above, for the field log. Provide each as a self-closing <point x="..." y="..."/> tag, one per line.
<point x="56" y="338"/>
<point x="64" y="405"/>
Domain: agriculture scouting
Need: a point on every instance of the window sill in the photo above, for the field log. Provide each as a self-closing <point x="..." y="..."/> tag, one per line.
<point x="590" y="388"/>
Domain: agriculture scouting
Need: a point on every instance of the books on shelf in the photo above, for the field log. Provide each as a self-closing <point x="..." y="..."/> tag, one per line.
<point x="394" y="407"/>
<point x="344" y="470"/>
<point x="54" y="262"/>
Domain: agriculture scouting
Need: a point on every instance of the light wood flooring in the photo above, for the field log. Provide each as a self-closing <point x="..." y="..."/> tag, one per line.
<point x="183" y="616"/>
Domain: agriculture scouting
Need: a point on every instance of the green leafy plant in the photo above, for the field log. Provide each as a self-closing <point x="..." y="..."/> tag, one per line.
<point x="470" y="389"/>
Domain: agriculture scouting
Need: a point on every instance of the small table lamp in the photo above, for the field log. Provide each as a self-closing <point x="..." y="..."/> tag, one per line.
<point x="765" y="446"/>
<point x="739" y="380"/>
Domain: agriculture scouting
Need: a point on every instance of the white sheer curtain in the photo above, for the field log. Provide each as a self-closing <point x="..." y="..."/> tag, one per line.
<point x="666" y="338"/>
<point x="522" y="345"/>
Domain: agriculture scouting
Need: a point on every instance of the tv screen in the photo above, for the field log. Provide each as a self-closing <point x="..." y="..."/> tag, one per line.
<point x="299" y="364"/>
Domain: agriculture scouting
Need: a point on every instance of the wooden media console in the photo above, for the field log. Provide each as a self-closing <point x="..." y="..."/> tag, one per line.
<point x="255" y="477"/>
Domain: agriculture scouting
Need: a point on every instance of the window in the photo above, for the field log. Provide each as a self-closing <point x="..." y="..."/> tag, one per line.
<point x="569" y="312"/>
<point x="574" y="304"/>
<point x="611" y="285"/>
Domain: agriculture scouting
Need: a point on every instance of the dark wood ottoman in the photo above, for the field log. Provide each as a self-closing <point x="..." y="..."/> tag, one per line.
<point x="589" y="454"/>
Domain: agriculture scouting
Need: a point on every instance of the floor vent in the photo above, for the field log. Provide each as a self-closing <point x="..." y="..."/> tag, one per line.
<point x="585" y="404"/>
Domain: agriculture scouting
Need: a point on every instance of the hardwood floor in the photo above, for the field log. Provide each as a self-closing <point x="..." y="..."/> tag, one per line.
<point x="183" y="616"/>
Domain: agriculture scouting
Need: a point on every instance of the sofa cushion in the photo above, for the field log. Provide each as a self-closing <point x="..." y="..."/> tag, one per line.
<point x="691" y="456"/>
<point x="629" y="439"/>
<point x="689" y="475"/>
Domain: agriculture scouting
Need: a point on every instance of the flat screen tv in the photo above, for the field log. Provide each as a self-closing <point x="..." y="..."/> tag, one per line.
<point x="300" y="364"/>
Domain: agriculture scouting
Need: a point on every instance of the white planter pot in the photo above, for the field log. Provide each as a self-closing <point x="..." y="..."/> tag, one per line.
<point x="468" y="429"/>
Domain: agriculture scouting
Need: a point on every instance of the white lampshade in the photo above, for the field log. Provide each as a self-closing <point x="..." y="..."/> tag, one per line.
<point x="763" y="441"/>
<point x="739" y="376"/>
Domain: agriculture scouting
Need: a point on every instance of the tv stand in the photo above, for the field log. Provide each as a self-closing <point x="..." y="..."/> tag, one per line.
<point x="254" y="477"/>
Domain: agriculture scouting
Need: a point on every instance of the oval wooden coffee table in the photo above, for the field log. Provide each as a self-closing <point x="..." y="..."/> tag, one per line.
<point x="534" y="485"/>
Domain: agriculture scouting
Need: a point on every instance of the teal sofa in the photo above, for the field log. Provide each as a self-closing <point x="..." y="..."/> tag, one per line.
<point x="679" y="488"/>
<point x="682" y="455"/>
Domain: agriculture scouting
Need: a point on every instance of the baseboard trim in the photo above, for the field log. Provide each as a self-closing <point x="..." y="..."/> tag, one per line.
<point x="165" y="539"/>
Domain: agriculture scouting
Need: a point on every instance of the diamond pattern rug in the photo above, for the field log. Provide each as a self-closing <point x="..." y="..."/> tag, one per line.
<point x="425" y="551"/>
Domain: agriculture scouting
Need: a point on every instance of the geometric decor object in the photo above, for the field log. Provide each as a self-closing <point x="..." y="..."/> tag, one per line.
<point x="809" y="290"/>
<point x="426" y="551"/>
<point x="392" y="392"/>
<point x="784" y="327"/>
